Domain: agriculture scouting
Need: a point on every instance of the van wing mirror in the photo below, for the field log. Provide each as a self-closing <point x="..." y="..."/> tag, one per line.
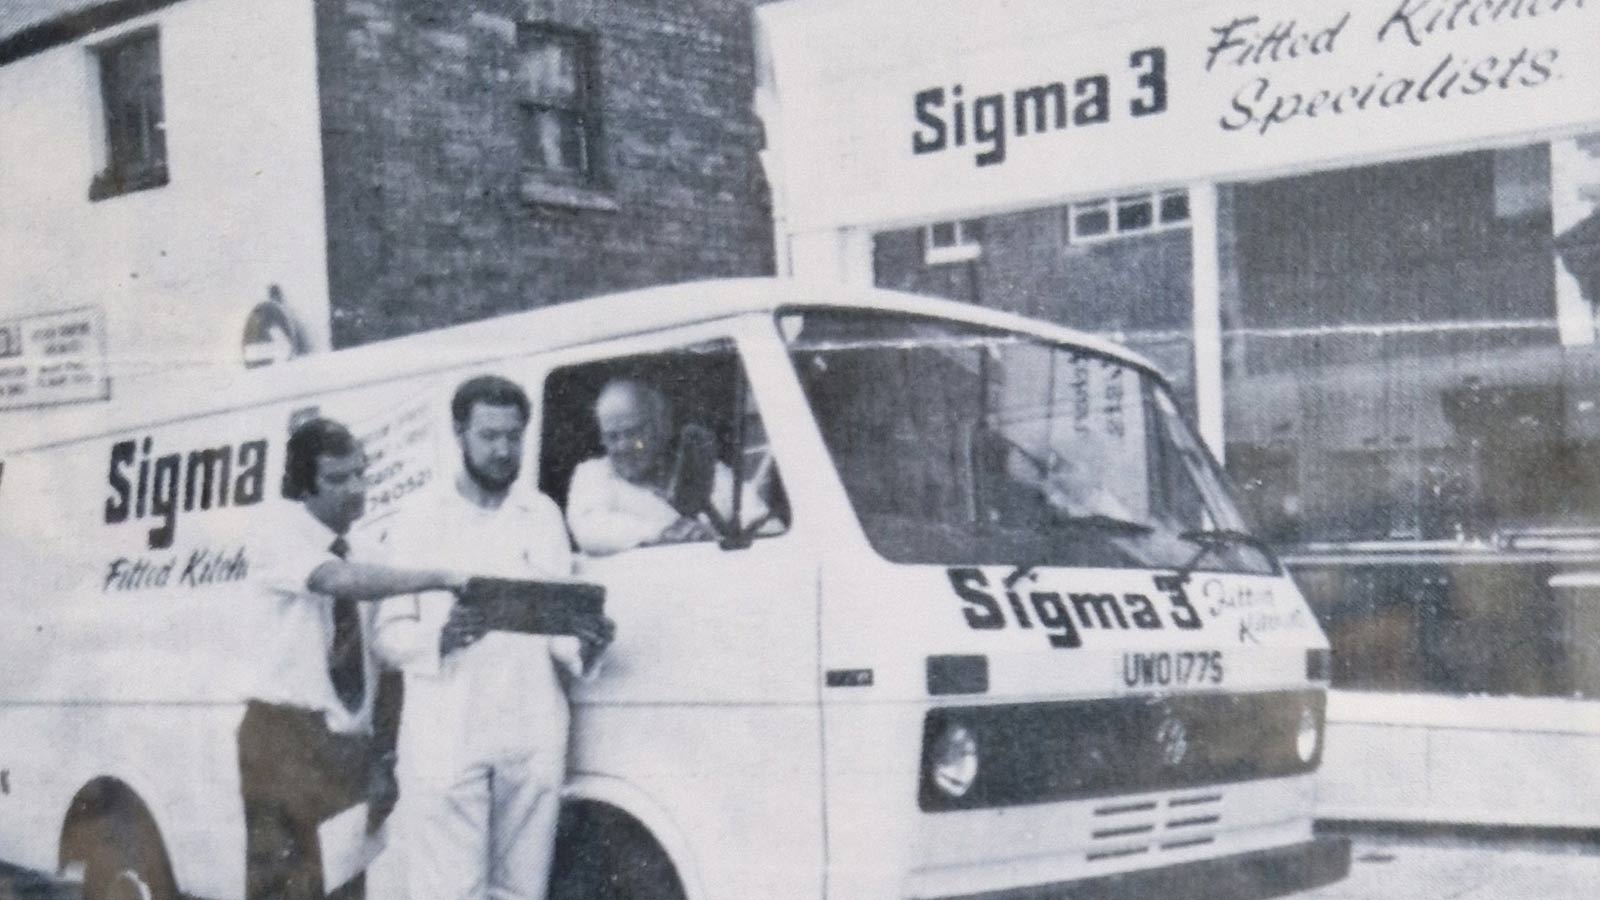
<point x="694" y="471"/>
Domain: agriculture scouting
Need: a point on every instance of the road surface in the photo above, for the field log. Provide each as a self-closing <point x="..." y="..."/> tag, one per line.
<point x="1445" y="865"/>
<point x="1387" y="865"/>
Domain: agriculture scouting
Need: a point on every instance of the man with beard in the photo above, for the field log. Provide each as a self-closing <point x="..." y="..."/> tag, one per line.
<point x="483" y="729"/>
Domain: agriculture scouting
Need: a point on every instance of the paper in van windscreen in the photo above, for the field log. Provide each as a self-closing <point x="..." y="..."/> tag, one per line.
<point x="534" y="607"/>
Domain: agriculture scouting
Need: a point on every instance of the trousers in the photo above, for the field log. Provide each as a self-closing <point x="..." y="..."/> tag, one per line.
<point x="293" y="774"/>
<point x="484" y="831"/>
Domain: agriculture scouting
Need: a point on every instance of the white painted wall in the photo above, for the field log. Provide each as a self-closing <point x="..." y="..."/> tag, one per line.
<point x="175" y="268"/>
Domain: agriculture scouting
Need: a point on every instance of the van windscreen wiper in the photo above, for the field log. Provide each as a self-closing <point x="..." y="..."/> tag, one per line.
<point x="1215" y="540"/>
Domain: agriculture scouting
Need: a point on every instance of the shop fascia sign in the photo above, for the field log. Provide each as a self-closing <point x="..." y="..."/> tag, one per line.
<point x="1208" y="92"/>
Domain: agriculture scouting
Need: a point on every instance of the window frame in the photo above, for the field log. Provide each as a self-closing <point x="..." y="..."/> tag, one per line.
<point x="1112" y="207"/>
<point x="625" y="355"/>
<point x="584" y="105"/>
<point x="967" y="244"/>
<point x="120" y="173"/>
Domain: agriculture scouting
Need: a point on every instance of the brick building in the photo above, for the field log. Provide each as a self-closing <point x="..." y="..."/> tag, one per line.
<point x="443" y="204"/>
<point x="373" y="167"/>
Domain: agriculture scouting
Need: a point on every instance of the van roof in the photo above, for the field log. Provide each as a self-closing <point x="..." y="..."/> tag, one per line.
<point x="560" y="325"/>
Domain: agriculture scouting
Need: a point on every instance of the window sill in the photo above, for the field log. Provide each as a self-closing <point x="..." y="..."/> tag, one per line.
<point x="109" y="184"/>
<point x="942" y="256"/>
<point x="565" y="196"/>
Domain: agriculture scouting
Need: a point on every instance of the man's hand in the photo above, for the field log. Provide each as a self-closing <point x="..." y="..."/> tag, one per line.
<point x="463" y="628"/>
<point x="686" y="530"/>
<point x="594" y="636"/>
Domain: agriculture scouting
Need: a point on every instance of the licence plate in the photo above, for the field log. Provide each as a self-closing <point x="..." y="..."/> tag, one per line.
<point x="1188" y="668"/>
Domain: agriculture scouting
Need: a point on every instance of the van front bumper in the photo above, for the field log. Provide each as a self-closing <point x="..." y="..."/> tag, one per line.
<point x="1245" y="876"/>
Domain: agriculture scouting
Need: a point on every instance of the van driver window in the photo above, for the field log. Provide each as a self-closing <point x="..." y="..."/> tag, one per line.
<point x="661" y="449"/>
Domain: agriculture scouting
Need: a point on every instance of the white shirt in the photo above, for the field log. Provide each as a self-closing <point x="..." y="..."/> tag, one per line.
<point x="294" y="663"/>
<point x="502" y="694"/>
<point x="609" y="514"/>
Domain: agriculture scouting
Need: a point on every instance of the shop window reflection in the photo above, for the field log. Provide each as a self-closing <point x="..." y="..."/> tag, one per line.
<point x="1430" y="566"/>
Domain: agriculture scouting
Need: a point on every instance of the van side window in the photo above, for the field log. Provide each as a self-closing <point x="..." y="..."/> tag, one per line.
<point x="659" y="449"/>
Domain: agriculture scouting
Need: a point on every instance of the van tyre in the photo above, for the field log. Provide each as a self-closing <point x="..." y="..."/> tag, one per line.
<point x="603" y="854"/>
<point x="122" y="855"/>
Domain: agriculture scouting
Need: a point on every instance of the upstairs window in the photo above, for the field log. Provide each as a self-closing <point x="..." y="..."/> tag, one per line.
<point x="135" y="127"/>
<point x="949" y="242"/>
<point x="1099" y="220"/>
<point x="560" y="104"/>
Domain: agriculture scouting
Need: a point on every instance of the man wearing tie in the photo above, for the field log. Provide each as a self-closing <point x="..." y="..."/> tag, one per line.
<point x="305" y="742"/>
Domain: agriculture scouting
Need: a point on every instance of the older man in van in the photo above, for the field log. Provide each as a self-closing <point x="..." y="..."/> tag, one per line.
<point x="623" y="499"/>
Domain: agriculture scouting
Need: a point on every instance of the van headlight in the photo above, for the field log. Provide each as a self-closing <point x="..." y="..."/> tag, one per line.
<point x="1308" y="736"/>
<point x="953" y="760"/>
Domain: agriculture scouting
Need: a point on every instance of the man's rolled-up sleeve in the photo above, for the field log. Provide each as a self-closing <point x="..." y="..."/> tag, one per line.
<point x="401" y="637"/>
<point x="598" y="524"/>
<point x="283" y="563"/>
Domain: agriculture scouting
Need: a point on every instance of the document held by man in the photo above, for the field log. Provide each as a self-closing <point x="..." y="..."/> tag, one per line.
<point x="535" y="607"/>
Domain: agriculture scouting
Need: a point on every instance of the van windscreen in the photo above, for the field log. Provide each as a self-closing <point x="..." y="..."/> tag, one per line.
<point x="959" y="444"/>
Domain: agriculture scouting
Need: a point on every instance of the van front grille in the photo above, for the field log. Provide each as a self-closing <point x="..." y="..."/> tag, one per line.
<point x="1154" y="826"/>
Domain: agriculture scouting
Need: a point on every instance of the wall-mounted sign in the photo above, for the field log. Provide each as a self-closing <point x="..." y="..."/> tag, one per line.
<point x="1035" y="101"/>
<point x="53" y="358"/>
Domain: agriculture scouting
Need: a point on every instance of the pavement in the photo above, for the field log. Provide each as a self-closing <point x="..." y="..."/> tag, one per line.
<point x="1414" y="864"/>
<point x="1387" y="864"/>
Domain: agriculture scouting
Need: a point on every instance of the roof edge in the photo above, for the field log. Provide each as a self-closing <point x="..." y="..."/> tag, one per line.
<point x="68" y="27"/>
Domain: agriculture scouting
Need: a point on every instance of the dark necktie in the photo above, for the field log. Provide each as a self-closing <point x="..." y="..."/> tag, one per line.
<point x="344" y="657"/>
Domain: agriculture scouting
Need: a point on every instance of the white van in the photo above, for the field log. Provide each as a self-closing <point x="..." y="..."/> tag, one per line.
<point x="1000" y="633"/>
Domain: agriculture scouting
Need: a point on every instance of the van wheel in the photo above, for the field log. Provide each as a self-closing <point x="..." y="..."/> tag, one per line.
<point x="121" y="851"/>
<point x="127" y="862"/>
<point x="604" y="854"/>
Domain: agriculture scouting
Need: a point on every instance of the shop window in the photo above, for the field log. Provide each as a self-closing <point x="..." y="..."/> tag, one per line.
<point x="1408" y="426"/>
<point x="681" y="455"/>
<point x="1428" y="529"/>
<point x="560" y="105"/>
<point x="1268" y="490"/>
<point x="948" y="242"/>
<point x="1433" y="627"/>
<point x="1132" y="214"/>
<point x="135" y="127"/>
<point x="1522" y="181"/>
<point x="1416" y="591"/>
